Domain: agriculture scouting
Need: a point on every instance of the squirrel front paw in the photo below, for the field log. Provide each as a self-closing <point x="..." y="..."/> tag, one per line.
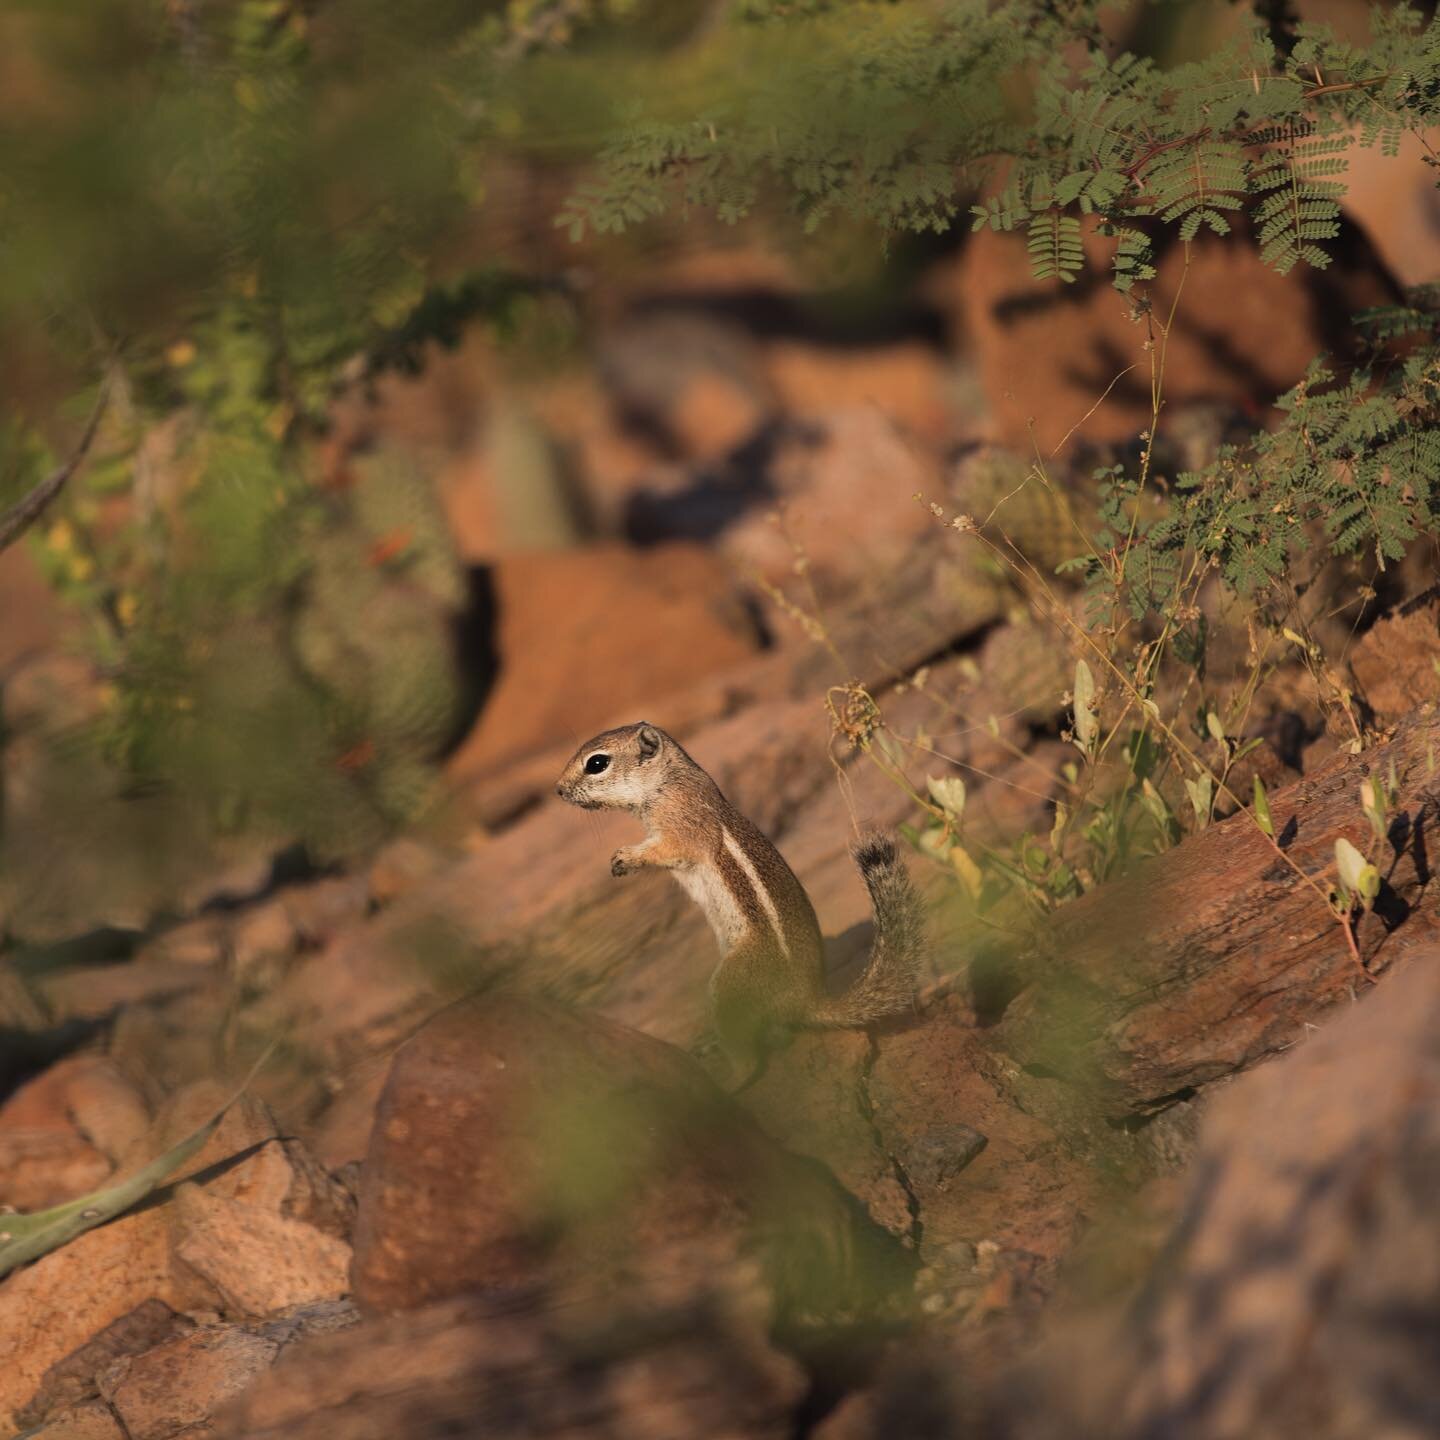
<point x="623" y="862"/>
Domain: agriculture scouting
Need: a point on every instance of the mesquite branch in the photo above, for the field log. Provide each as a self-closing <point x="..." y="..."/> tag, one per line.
<point x="15" y="521"/>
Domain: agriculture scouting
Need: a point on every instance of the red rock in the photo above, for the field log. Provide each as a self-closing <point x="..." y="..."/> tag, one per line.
<point x="72" y="1380"/>
<point x="51" y="1308"/>
<point x="1397" y="662"/>
<point x="570" y="648"/>
<point x="258" y="1224"/>
<point x="61" y="1132"/>
<point x="905" y="384"/>
<point x="30" y="607"/>
<point x="516" y="1141"/>
<point x="1047" y="351"/>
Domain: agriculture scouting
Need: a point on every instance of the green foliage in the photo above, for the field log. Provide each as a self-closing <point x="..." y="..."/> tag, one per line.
<point x="902" y="122"/>
<point x="1353" y="463"/>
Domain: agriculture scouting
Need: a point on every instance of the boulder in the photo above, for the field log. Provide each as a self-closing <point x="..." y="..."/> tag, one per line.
<point x="517" y="1143"/>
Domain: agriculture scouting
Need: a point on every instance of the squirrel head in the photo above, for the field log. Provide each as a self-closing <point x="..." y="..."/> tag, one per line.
<point x="620" y="769"/>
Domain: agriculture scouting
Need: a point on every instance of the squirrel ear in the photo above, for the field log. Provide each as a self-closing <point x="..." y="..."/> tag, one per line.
<point x="649" y="739"/>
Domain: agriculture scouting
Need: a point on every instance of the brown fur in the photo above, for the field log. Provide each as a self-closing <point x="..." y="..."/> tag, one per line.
<point x="771" y="974"/>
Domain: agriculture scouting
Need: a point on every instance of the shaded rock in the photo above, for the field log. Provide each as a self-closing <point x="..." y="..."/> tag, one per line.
<point x="1300" y="1292"/>
<point x="846" y="485"/>
<point x="935" y="1157"/>
<point x="73" y="1379"/>
<point x="1397" y="661"/>
<point x="263" y="936"/>
<point x="691" y="382"/>
<point x="980" y="1167"/>
<point x="461" y="1369"/>
<point x="342" y="1135"/>
<point x="812" y="1099"/>
<point x="98" y="992"/>
<point x="1026" y="670"/>
<point x="92" y="1420"/>
<point x="181" y="1382"/>
<point x="401" y="865"/>
<point x="515" y="1140"/>
<point x="184" y="1380"/>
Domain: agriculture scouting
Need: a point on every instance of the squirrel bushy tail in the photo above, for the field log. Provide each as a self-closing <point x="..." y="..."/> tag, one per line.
<point x="887" y="985"/>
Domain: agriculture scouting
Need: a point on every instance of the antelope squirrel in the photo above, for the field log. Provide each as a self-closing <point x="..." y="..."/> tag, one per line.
<point x="771" y="974"/>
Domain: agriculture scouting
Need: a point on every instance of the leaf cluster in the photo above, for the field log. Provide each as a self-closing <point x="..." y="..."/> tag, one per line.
<point x="900" y="114"/>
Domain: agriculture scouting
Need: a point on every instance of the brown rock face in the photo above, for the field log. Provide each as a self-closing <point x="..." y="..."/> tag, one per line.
<point x="516" y="1141"/>
<point x="584" y="636"/>
<point x="73" y="1379"/>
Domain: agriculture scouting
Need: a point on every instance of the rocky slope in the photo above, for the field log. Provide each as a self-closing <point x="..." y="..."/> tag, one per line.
<point x="483" y="1185"/>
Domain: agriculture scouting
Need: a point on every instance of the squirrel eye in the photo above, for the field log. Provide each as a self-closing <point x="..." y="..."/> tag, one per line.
<point x="596" y="763"/>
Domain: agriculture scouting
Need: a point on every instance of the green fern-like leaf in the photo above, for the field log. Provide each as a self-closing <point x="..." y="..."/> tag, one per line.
<point x="1055" y="246"/>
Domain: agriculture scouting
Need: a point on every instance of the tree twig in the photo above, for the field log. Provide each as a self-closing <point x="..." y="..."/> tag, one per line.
<point x="15" y="521"/>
